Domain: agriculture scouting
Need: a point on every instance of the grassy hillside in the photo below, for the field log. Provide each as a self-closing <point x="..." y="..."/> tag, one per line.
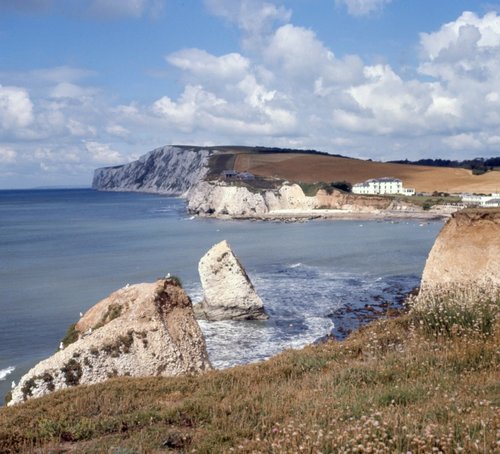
<point x="315" y="167"/>
<point x="422" y="382"/>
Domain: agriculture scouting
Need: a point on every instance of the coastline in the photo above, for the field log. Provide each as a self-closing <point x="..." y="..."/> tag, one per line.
<point x="337" y="215"/>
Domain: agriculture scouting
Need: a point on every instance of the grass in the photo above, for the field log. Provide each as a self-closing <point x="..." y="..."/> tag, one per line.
<point x="393" y="386"/>
<point x="429" y="201"/>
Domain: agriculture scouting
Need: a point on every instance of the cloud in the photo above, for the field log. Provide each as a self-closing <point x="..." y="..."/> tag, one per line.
<point x="16" y="108"/>
<point x="103" y="154"/>
<point x="363" y="7"/>
<point x="462" y="142"/>
<point x="289" y="88"/>
<point x="255" y="18"/>
<point x="7" y="155"/>
<point x="252" y="16"/>
<point x="207" y="66"/>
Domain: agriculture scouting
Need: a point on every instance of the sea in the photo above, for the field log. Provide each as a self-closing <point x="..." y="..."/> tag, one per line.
<point x="62" y="251"/>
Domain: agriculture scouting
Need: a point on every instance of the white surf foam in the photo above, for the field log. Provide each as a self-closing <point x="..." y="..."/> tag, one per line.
<point x="5" y="372"/>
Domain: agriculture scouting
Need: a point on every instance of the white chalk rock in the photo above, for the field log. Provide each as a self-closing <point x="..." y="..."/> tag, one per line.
<point x="141" y="330"/>
<point x="228" y="291"/>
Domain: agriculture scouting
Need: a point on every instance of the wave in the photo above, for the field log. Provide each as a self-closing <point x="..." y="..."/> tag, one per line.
<point x="5" y="372"/>
<point x="295" y="265"/>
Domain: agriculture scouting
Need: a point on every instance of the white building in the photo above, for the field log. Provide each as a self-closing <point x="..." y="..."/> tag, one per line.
<point x="482" y="200"/>
<point x="382" y="186"/>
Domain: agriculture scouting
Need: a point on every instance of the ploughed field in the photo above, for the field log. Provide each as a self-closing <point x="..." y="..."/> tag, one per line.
<point x="312" y="168"/>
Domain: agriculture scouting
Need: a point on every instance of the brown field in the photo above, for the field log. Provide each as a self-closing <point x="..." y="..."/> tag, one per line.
<point x="314" y="168"/>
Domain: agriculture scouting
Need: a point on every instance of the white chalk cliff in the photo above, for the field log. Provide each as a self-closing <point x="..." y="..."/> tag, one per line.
<point x="167" y="170"/>
<point x="140" y="330"/>
<point x="227" y="290"/>
<point x="219" y="198"/>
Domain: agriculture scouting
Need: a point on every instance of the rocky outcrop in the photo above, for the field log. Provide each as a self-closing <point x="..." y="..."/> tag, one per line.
<point x="227" y="290"/>
<point x="237" y="200"/>
<point x="139" y="330"/>
<point x="168" y="170"/>
<point x="216" y="198"/>
<point x="466" y="250"/>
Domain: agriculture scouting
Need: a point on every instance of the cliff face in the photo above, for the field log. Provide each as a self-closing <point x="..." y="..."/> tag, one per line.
<point x="216" y="198"/>
<point x="466" y="250"/>
<point x="140" y="330"/>
<point x="220" y="199"/>
<point x="168" y="170"/>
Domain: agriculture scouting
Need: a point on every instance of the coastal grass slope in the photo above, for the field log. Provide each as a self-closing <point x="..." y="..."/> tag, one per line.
<point x="393" y="386"/>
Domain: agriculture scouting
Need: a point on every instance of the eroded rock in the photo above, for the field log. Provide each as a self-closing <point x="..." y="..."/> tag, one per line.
<point x="466" y="250"/>
<point x="228" y="292"/>
<point x="139" y="330"/>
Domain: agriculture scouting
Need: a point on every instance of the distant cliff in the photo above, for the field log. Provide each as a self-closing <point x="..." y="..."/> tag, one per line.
<point x="221" y="199"/>
<point x="168" y="170"/>
<point x="466" y="250"/>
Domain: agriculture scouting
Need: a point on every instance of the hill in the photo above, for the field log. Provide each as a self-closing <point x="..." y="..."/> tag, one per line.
<point x="315" y="167"/>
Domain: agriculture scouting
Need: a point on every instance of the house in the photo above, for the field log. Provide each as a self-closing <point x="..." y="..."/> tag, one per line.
<point x="229" y="174"/>
<point x="481" y="200"/>
<point x="491" y="203"/>
<point x="386" y="185"/>
<point x="246" y="176"/>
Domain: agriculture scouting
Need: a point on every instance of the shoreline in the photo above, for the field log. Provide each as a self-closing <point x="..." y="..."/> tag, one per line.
<point x="331" y="215"/>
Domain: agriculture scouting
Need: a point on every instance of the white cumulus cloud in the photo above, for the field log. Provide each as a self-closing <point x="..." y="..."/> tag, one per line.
<point x="16" y="108"/>
<point x="204" y="65"/>
<point x="102" y="153"/>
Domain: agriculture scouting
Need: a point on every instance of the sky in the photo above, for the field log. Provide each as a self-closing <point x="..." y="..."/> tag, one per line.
<point x="93" y="83"/>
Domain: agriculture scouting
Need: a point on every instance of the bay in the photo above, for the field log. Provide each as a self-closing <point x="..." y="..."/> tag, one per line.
<point x="61" y="251"/>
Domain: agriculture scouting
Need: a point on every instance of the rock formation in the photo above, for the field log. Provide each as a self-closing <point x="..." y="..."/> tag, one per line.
<point x="168" y="170"/>
<point x="207" y="198"/>
<point x="228" y="292"/>
<point x="139" y="330"/>
<point x="219" y="199"/>
<point x="466" y="250"/>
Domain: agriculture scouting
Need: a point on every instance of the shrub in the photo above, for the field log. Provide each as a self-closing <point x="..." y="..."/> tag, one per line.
<point x="72" y="371"/>
<point x="454" y="310"/>
<point x="174" y="280"/>
<point x="70" y="336"/>
<point x="345" y="186"/>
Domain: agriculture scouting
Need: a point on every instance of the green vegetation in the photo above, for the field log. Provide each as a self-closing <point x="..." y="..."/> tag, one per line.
<point x="398" y="385"/>
<point x="458" y="310"/>
<point x="174" y="280"/>
<point x="427" y="202"/>
<point x="311" y="189"/>
<point x="72" y="371"/>
<point x="113" y="311"/>
<point x="70" y="336"/>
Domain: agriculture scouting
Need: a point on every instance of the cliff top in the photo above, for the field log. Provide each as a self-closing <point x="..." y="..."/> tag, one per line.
<point x="477" y="214"/>
<point x="299" y="398"/>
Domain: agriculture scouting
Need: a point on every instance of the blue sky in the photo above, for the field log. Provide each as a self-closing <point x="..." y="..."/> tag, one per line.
<point x="89" y="83"/>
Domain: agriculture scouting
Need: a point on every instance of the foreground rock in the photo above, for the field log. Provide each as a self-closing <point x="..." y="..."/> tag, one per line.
<point x="228" y="292"/>
<point x="140" y="330"/>
<point x="466" y="250"/>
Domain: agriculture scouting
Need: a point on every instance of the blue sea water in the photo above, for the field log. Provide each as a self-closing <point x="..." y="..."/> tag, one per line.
<point x="61" y="251"/>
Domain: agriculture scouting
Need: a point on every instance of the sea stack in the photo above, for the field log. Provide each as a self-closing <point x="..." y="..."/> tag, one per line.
<point x="467" y="250"/>
<point x="228" y="292"/>
<point x="139" y="330"/>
